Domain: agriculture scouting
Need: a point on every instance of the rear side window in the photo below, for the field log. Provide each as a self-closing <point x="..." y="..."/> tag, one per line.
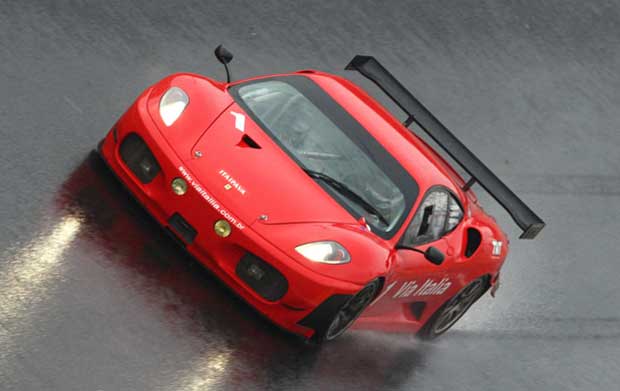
<point x="438" y="214"/>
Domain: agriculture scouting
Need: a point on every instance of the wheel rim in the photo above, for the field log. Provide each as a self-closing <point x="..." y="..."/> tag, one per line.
<point x="458" y="305"/>
<point x="351" y="311"/>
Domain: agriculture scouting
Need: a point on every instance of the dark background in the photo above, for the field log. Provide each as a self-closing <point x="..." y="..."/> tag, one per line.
<point x="94" y="297"/>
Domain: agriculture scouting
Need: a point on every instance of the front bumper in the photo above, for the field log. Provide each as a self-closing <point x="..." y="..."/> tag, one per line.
<point x="306" y="289"/>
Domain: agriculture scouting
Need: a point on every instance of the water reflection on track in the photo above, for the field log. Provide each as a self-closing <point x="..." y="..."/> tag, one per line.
<point x="223" y="342"/>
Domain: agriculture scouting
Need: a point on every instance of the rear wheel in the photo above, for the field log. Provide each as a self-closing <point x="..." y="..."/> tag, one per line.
<point x="348" y="313"/>
<point x="448" y="314"/>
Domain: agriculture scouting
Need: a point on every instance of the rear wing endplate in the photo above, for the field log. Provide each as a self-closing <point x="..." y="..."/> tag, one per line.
<point x="525" y="218"/>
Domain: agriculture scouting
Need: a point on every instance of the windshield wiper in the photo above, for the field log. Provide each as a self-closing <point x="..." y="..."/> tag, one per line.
<point x="347" y="192"/>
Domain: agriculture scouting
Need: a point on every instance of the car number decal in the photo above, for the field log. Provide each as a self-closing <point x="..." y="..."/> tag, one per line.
<point x="497" y="248"/>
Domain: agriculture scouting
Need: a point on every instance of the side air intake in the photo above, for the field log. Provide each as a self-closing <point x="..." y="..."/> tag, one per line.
<point x="473" y="241"/>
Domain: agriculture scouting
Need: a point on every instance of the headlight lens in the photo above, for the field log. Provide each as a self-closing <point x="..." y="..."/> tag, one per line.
<point x="172" y="105"/>
<point x="324" y="252"/>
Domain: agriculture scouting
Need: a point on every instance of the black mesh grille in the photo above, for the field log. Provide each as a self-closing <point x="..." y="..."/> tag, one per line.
<point x="263" y="278"/>
<point x="139" y="158"/>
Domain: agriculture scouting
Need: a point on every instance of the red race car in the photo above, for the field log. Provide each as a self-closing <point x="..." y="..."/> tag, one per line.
<point x="314" y="203"/>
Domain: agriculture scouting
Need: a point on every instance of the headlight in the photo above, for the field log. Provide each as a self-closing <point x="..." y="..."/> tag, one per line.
<point x="172" y="105"/>
<point x="324" y="252"/>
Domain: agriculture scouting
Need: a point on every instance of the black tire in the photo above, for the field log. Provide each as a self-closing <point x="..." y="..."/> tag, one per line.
<point x="452" y="310"/>
<point x="348" y="313"/>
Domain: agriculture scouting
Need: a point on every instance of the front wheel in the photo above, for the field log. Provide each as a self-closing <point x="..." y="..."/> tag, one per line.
<point x="348" y="313"/>
<point x="449" y="313"/>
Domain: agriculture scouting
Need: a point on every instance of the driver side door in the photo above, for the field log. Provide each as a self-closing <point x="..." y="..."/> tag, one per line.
<point x="417" y="284"/>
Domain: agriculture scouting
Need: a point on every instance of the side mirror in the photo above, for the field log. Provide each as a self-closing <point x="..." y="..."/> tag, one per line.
<point x="224" y="56"/>
<point x="434" y="255"/>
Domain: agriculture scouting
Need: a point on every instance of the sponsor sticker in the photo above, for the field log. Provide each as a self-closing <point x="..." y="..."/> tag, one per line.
<point x="211" y="200"/>
<point x="231" y="182"/>
<point x="430" y="287"/>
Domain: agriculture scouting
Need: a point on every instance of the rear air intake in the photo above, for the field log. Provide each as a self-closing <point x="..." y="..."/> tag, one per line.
<point x="138" y="158"/>
<point x="473" y="241"/>
<point x="263" y="278"/>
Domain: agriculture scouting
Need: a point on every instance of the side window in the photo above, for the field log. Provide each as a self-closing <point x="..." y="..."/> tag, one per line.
<point x="438" y="214"/>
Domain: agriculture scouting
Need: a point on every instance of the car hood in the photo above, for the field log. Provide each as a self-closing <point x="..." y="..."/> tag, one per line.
<point x="245" y="170"/>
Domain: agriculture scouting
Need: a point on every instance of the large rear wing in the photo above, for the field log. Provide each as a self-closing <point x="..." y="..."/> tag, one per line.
<point x="525" y="218"/>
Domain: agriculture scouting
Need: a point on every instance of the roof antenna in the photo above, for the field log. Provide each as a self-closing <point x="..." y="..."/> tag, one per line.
<point x="224" y="56"/>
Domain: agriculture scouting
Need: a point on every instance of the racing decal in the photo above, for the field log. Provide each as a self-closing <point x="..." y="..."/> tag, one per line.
<point x="211" y="200"/>
<point x="239" y="121"/>
<point x="429" y="288"/>
<point x="232" y="182"/>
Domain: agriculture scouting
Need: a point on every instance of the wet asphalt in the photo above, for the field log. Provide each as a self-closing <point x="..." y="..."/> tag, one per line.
<point x="93" y="295"/>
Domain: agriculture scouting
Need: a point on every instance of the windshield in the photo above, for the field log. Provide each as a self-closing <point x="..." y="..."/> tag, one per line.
<point x="324" y="139"/>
